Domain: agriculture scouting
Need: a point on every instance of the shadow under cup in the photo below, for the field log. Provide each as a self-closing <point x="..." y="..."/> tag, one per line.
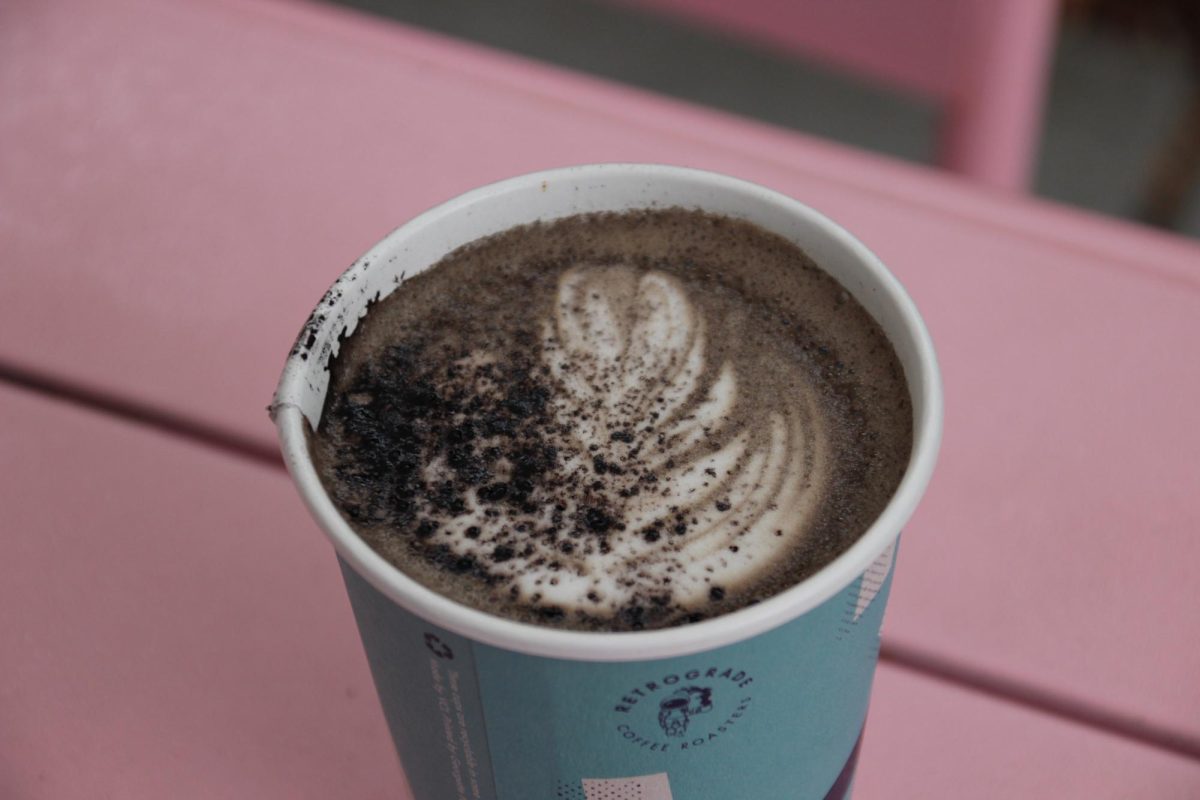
<point x="768" y="701"/>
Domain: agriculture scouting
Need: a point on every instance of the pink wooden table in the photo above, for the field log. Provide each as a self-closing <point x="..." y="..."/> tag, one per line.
<point x="179" y="182"/>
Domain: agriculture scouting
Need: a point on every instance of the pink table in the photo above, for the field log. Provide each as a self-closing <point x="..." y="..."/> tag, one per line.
<point x="180" y="182"/>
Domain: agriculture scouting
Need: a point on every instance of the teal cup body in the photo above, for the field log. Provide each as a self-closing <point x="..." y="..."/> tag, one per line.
<point x="766" y="702"/>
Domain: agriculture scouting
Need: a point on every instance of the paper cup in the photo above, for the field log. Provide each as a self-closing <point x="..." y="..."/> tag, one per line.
<point x="766" y="702"/>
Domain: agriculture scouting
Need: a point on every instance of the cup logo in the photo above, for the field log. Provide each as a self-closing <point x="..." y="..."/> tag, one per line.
<point x="684" y="711"/>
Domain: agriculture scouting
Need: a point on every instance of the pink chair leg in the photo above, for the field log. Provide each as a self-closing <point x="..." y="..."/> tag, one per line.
<point x="990" y="129"/>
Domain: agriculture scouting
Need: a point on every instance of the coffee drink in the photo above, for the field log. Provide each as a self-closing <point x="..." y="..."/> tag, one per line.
<point x="615" y="421"/>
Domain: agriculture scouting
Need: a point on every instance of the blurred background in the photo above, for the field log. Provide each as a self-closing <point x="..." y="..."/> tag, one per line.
<point x="1110" y="99"/>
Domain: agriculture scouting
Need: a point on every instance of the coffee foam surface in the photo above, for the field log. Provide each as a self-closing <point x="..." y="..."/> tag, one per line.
<point x="699" y="500"/>
<point x="634" y="448"/>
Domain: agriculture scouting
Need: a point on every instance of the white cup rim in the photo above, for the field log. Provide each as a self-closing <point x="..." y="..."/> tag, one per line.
<point x="924" y="386"/>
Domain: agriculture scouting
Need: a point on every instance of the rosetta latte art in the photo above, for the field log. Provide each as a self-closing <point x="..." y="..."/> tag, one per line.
<point x="678" y="499"/>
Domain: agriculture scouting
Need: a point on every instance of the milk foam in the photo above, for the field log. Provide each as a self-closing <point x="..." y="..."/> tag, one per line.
<point x="696" y="498"/>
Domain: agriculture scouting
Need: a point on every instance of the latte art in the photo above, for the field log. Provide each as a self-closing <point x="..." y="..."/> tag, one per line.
<point x="694" y="501"/>
<point x="615" y="422"/>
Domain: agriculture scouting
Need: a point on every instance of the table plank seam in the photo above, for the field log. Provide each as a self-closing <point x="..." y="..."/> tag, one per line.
<point x="1082" y="712"/>
<point x="131" y="410"/>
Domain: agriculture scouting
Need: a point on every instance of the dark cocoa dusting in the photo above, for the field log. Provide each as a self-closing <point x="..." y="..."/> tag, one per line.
<point x="403" y="410"/>
<point x="408" y="407"/>
<point x="421" y="440"/>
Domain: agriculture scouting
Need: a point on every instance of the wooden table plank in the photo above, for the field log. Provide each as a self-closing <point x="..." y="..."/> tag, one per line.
<point x="927" y="739"/>
<point x="174" y="628"/>
<point x="180" y="182"/>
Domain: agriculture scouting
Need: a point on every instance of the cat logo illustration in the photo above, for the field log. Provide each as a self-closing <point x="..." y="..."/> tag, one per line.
<point x="676" y="710"/>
